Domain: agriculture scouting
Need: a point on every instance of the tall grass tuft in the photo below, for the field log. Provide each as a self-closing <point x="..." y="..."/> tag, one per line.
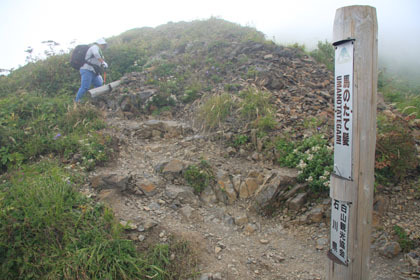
<point x="50" y="231"/>
<point x="215" y="110"/>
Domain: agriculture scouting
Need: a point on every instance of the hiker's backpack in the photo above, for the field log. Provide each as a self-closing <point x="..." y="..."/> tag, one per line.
<point x="77" y="58"/>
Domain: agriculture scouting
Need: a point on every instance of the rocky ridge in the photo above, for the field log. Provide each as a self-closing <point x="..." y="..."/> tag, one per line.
<point x="300" y="87"/>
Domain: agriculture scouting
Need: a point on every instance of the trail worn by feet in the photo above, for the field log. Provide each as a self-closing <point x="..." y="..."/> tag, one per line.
<point x="146" y="189"/>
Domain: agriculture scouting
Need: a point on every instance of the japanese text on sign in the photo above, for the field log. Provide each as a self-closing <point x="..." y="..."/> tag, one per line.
<point x="343" y="105"/>
<point x="340" y="213"/>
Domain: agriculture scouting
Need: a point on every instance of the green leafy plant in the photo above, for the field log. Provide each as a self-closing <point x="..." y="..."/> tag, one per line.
<point x="312" y="156"/>
<point x="124" y="58"/>
<point x="199" y="176"/>
<point x="240" y="140"/>
<point x="191" y="93"/>
<point x="324" y="53"/>
<point x="405" y="242"/>
<point x="395" y="154"/>
<point x="162" y="100"/>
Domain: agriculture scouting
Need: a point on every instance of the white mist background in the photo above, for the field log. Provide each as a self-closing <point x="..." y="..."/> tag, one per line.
<point x="25" y="23"/>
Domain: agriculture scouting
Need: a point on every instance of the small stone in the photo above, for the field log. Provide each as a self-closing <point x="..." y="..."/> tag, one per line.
<point x="148" y="224"/>
<point x="187" y="211"/>
<point x="128" y="225"/>
<point x="174" y="166"/>
<point x="217" y="276"/>
<point x="249" y="229"/>
<point x="297" y="202"/>
<point x="241" y="220"/>
<point x="264" y="241"/>
<point x="162" y="234"/>
<point x="231" y="151"/>
<point x="148" y="188"/>
<point x="141" y="237"/>
<point x="322" y="241"/>
<point x="206" y="276"/>
<point x="217" y="249"/>
<point x="229" y="220"/>
<point x="316" y="214"/>
<point x="390" y="249"/>
<point x="154" y="206"/>
<point x="413" y="259"/>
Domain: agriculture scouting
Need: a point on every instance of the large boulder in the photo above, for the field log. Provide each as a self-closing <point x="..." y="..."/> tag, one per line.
<point x="275" y="189"/>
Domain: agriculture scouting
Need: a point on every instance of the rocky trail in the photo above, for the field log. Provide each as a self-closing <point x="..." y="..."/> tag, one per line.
<point x="229" y="224"/>
<point x="145" y="188"/>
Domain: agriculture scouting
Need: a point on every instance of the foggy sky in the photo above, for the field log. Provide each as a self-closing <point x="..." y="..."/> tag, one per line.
<point x="28" y="22"/>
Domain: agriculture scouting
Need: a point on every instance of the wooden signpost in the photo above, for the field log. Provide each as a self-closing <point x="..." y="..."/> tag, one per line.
<point x="355" y="39"/>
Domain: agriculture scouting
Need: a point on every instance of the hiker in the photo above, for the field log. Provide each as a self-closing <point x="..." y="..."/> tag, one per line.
<point x="91" y="70"/>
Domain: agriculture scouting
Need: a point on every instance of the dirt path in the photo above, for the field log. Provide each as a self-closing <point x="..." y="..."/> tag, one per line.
<point x="233" y="242"/>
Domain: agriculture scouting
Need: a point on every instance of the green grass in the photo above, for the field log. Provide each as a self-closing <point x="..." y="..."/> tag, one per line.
<point x="50" y="231"/>
<point x="405" y="242"/>
<point x="256" y="107"/>
<point x="199" y="177"/>
<point x="403" y="94"/>
<point x="32" y="126"/>
<point x="215" y="110"/>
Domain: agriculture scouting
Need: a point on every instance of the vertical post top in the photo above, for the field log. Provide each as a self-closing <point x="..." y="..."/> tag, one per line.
<point x="350" y="21"/>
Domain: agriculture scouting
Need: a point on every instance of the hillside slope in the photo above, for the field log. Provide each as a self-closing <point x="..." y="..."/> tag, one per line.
<point x="157" y="113"/>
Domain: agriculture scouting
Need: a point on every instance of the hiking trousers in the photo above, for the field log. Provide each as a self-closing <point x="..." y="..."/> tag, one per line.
<point x="87" y="79"/>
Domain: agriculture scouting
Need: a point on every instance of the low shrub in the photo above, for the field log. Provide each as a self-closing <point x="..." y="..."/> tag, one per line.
<point x="405" y="242"/>
<point x="199" y="176"/>
<point x="396" y="153"/>
<point x="324" y="53"/>
<point x="240" y="140"/>
<point x="312" y="156"/>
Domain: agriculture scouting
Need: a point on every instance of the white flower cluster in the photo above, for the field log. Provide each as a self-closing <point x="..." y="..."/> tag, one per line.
<point x="315" y="148"/>
<point x="307" y="162"/>
<point x="302" y="164"/>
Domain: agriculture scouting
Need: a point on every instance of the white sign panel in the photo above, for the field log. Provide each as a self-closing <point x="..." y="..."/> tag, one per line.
<point x="340" y="214"/>
<point x="343" y="107"/>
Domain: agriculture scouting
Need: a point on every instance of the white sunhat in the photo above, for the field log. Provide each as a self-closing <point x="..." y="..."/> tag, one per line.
<point x="101" y="41"/>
